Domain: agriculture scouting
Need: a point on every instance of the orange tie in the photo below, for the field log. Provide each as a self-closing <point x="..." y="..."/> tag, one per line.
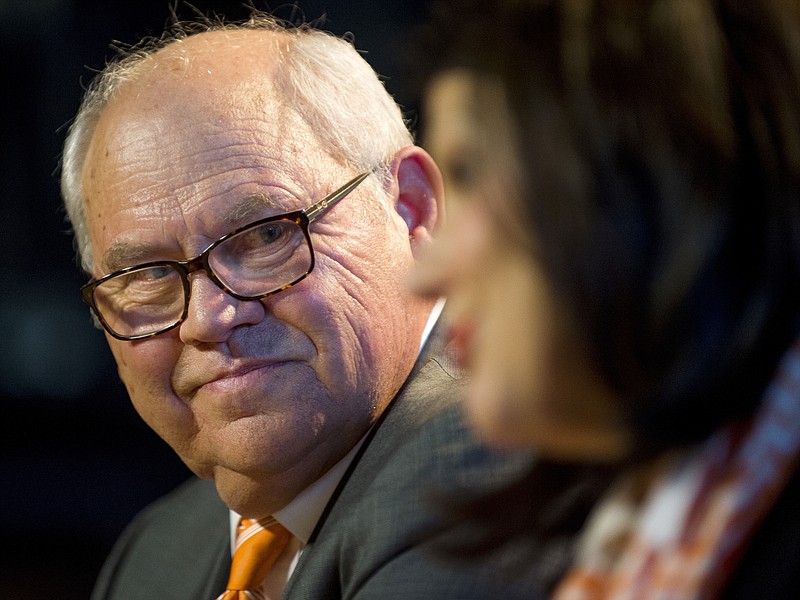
<point x="258" y="546"/>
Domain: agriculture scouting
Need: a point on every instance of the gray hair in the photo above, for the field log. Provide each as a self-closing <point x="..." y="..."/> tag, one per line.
<point x="330" y="85"/>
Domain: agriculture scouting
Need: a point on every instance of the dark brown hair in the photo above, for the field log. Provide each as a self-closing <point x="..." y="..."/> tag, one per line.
<point x="661" y="145"/>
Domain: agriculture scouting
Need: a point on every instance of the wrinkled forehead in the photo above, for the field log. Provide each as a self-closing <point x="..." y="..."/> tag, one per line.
<point x="204" y="92"/>
<point x="198" y="126"/>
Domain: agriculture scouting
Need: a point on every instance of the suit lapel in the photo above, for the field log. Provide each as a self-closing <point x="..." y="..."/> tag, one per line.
<point x="399" y="409"/>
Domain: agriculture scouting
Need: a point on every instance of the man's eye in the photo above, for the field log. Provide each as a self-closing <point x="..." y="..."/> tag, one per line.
<point x="273" y="241"/>
<point x="271" y="232"/>
<point x="152" y="273"/>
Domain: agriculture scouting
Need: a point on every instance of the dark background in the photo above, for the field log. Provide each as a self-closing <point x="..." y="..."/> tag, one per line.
<point x="76" y="462"/>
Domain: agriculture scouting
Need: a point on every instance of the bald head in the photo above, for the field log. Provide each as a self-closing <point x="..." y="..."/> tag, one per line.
<point x="239" y="69"/>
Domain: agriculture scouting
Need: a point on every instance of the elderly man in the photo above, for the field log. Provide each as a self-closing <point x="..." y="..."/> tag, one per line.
<point x="248" y="203"/>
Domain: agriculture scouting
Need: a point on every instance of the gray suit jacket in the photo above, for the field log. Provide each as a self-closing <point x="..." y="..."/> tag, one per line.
<point x="378" y="537"/>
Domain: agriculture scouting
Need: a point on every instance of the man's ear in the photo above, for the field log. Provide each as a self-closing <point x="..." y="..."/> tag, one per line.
<point x="420" y="195"/>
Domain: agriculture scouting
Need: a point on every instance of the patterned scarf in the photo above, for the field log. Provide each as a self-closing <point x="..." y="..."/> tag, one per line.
<point x="676" y="531"/>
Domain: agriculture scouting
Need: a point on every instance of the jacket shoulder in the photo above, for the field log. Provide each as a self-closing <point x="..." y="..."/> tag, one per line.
<point x="384" y="530"/>
<point x="173" y="548"/>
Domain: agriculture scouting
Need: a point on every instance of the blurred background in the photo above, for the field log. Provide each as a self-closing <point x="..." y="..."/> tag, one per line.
<point x="76" y="461"/>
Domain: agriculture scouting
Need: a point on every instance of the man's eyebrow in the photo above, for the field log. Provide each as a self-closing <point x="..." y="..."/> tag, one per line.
<point x="123" y="254"/>
<point x="250" y="208"/>
<point x="126" y="254"/>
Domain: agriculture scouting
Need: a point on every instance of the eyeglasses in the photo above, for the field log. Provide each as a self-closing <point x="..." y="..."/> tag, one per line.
<point x="255" y="261"/>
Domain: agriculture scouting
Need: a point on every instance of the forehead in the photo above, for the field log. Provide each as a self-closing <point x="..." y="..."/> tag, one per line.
<point x="227" y="79"/>
<point x="472" y="135"/>
<point x="451" y="110"/>
<point x="200" y="128"/>
<point x="468" y="110"/>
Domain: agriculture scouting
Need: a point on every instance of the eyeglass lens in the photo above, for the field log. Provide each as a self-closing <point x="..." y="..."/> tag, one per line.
<point x="250" y="264"/>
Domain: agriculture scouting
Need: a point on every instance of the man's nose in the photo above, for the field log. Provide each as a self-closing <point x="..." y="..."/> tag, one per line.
<point x="213" y="313"/>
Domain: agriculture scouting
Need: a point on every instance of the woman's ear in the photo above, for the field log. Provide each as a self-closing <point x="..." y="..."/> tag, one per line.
<point x="420" y="195"/>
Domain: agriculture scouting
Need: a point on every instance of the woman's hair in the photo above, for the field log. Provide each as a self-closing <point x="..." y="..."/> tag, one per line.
<point x="323" y="78"/>
<point x="661" y="148"/>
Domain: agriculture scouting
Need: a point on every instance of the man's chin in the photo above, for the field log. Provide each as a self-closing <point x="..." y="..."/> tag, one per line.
<point x="250" y="497"/>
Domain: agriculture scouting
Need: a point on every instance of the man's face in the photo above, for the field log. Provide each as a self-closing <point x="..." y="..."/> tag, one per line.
<point x="263" y="396"/>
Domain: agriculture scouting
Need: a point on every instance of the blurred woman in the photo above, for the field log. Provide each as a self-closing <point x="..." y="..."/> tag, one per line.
<point x="622" y="267"/>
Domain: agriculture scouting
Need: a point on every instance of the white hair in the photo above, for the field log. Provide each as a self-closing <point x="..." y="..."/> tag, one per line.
<point x="322" y="76"/>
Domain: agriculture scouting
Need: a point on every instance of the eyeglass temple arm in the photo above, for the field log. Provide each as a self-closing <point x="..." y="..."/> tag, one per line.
<point x="329" y="201"/>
